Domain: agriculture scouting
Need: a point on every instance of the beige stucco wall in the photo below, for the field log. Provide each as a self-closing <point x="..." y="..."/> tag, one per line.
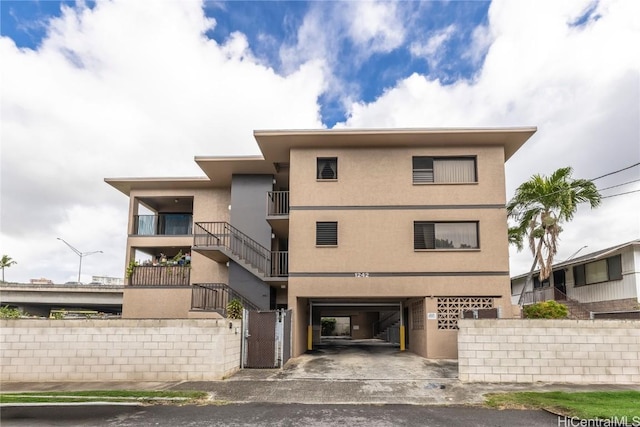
<point x="562" y="351"/>
<point x="416" y="338"/>
<point x="382" y="241"/>
<point x="384" y="177"/>
<point x="156" y="302"/>
<point x="375" y="204"/>
<point x="118" y="350"/>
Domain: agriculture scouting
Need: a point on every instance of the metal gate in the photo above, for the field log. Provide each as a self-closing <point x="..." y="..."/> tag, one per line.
<point x="267" y="338"/>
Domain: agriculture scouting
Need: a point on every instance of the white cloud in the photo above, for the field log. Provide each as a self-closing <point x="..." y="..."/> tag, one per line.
<point x="579" y="85"/>
<point x="124" y="89"/>
<point x="432" y="49"/>
<point x="373" y="25"/>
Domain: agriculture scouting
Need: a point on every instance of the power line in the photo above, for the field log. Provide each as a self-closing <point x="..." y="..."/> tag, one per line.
<point x="619" y="194"/>
<point x="619" y="185"/>
<point x="614" y="172"/>
<point x="602" y="176"/>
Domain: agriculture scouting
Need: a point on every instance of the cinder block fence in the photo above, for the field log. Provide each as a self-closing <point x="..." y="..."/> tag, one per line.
<point x="118" y="350"/>
<point x="563" y="351"/>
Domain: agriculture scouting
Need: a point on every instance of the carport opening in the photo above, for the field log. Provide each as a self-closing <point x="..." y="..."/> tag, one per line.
<point x="344" y="325"/>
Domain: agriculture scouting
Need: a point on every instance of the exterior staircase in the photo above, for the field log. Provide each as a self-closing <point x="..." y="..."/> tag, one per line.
<point x="576" y="309"/>
<point x="222" y="242"/>
<point x="215" y="297"/>
<point x="381" y="327"/>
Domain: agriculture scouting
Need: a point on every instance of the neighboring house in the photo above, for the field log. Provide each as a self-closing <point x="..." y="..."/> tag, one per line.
<point x="397" y="228"/>
<point x="606" y="280"/>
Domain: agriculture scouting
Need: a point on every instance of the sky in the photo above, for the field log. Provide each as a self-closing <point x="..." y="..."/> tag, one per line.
<point x="128" y="88"/>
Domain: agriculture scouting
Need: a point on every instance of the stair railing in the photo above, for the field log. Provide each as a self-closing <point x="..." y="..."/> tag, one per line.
<point x="215" y="297"/>
<point x="223" y="234"/>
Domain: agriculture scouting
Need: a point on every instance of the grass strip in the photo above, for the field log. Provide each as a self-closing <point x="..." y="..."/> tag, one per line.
<point x="584" y="405"/>
<point x="105" y="395"/>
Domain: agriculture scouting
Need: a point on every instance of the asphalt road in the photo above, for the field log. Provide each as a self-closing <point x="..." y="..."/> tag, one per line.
<point x="265" y="414"/>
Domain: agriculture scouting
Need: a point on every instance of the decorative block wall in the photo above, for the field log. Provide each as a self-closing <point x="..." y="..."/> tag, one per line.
<point x="118" y="350"/>
<point x="560" y="351"/>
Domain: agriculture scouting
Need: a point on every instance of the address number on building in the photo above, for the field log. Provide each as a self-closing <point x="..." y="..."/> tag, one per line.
<point x="361" y="274"/>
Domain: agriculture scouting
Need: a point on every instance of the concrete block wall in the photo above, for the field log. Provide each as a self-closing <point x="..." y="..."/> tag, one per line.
<point x="118" y="350"/>
<point x="545" y="350"/>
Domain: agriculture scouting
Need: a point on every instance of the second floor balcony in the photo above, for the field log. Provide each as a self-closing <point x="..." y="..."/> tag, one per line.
<point x="163" y="225"/>
<point x="278" y="212"/>
<point x="277" y="203"/>
<point x="169" y="275"/>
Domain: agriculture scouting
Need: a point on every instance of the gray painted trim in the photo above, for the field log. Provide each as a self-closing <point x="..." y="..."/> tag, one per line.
<point x="392" y="207"/>
<point x="402" y="274"/>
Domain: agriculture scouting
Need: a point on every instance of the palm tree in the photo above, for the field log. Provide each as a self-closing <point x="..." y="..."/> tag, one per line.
<point x="539" y="208"/>
<point x="5" y="262"/>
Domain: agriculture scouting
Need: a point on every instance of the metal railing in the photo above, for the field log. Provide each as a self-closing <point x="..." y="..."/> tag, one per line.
<point x="162" y="225"/>
<point x="279" y="264"/>
<point x="178" y="275"/>
<point x="215" y="297"/>
<point x="538" y="295"/>
<point x="223" y="234"/>
<point x="277" y="203"/>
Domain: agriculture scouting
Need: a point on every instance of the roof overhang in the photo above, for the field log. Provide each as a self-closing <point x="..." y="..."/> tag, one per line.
<point x="126" y="185"/>
<point x="221" y="169"/>
<point x="276" y="144"/>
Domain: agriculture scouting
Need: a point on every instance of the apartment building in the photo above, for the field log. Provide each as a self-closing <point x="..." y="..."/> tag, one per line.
<point x="388" y="227"/>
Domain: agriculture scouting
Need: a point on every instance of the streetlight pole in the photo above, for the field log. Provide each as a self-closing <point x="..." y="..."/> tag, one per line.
<point x="80" y="254"/>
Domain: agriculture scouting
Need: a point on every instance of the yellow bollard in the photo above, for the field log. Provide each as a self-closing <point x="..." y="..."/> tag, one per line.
<point x="402" y="338"/>
<point x="310" y="337"/>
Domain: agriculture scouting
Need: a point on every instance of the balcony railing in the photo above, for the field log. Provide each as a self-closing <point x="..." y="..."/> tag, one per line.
<point x="178" y="275"/>
<point x="277" y="203"/>
<point x="538" y="295"/>
<point x="215" y="297"/>
<point x="279" y="264"/>
<point x="162" y="225"/>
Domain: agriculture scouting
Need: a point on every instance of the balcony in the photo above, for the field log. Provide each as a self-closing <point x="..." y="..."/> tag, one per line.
<point x="278" y="212"/>
<point x="176" y="275"/>
<point x="162" y="225"/>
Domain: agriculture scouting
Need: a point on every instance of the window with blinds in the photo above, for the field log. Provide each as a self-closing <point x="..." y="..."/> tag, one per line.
<point x="445" y="235"/>
<point x="600" y="271"/>
<point x="327" y="168"/>
<point x="444" y="170"/>
<point x="327" y="233"/>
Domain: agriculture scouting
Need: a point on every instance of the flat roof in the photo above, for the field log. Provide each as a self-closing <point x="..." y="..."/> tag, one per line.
<point x="275" y="144"/>
<point x="125" y="185"/>
<point x="221" y="169"/>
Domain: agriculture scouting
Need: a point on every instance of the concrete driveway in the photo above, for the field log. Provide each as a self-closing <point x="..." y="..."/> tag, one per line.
<point x="367" y="360"/>
<point x="370" y="359"/>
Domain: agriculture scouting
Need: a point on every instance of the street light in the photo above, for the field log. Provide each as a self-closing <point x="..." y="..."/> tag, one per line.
<point x="80" y="254"/>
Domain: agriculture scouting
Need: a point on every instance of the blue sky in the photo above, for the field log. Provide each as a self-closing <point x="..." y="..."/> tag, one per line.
<point x="268" y="25"/>
<point x="134" y="88"/>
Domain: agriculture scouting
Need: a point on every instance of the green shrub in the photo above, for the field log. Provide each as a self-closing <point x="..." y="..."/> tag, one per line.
<point x="328" y="326"/>
<point x="7" y="312"/>
<point x="545" y="310"/>
<point x="234" y="309"/>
